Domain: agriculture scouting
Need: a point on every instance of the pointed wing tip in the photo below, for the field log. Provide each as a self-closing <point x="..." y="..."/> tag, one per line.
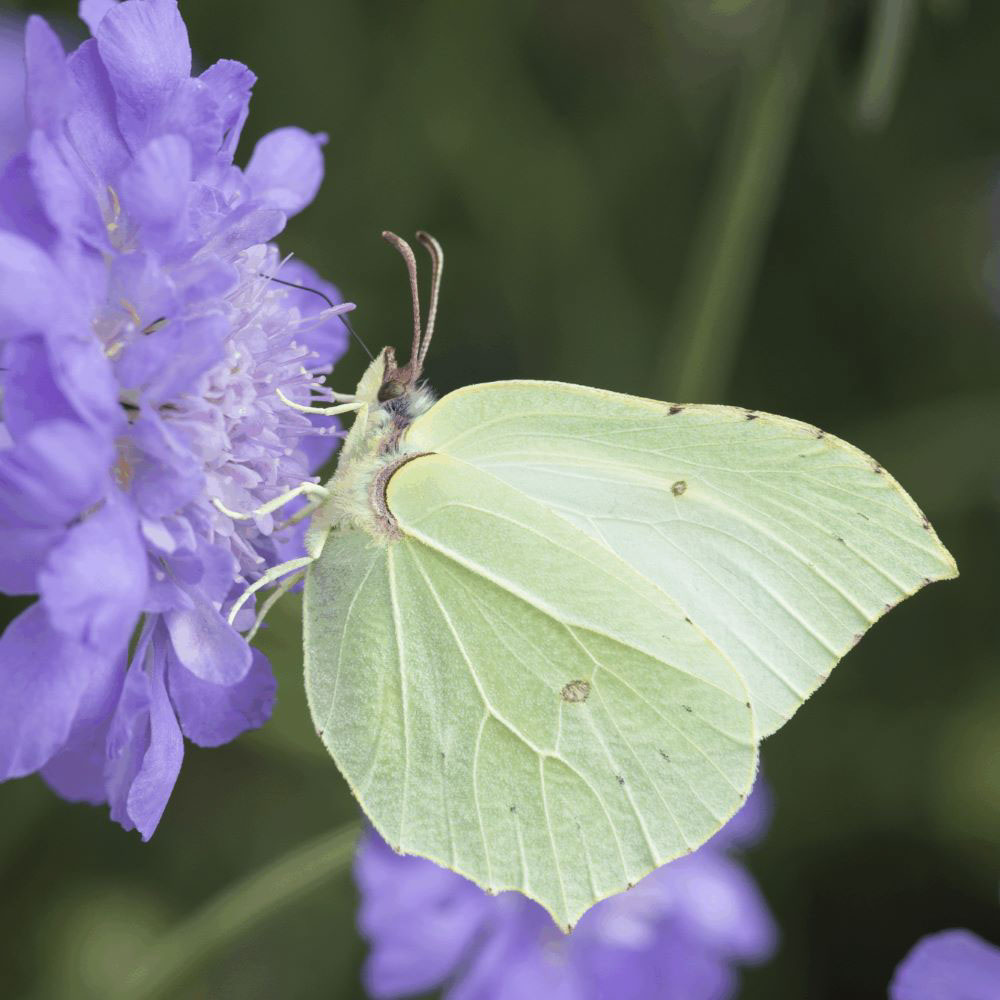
<point x="948" y="571"/>
<point x="951" y="571"/>
<point x="948" y="562"/>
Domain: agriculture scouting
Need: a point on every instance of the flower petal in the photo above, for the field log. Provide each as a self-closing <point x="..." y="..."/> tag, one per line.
<point x="29" y="284"/>
<point x="286" y="168"/>
<point x="213" y="714"/>
<point x="523" y="955"/>
<point x="92" y="12"/>
<point x="24" y="551"/>
<point x="145" y="49"/>
<point x="93" y="126"/>
<point x="148" y="796"/>
<point x="43" y="678"/>
<point x="94" y="583"/>
<point x="193" y="113"/>
<point x="718" y="903"/>
<point x="70" y="210"/>
<point x="155" y="189"/>
<point x="243" y="228"/>
<point x="230" y="83"/>
<point x="165" y="474"/>
<point x="950" y="965"/>
<point x="693" y="971"/>
<point x="206" y="644"/>
<point x="750" y="822"/>
<point x="420" y="919"/>
<point x="53" y="473"/>
<point x="77" y="773"/>
<point x="49" y="90"/>
<point x="47" y="478"/>
<point x="21" y="209"/>
<point x="145" y="746"/>
<point x="169" y="362"/>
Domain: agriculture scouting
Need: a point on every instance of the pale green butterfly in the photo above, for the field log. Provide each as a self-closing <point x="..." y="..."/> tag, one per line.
<point x="546" y="626"/>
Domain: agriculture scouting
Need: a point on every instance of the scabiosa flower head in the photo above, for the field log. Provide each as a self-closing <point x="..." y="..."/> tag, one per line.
<point x="143" y="344"/>
<point x="951" y="965"/>
<point x="677" y="935"/>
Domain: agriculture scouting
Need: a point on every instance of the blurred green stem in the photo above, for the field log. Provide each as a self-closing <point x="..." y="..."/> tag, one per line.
<point x="890" y="32"/>
<point x="709" y="314"/>
<point x="236" y="911"/>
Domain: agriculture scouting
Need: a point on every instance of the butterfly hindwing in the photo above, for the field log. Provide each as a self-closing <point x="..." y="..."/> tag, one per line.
<point x="509" y="698"/>
<point x="783" y="544"/>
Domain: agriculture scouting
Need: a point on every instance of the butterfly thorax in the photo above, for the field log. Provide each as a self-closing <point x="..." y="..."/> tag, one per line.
<point x="374" y="448"/>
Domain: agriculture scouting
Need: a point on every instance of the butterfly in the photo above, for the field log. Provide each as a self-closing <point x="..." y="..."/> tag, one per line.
<point x="547" y="626"/>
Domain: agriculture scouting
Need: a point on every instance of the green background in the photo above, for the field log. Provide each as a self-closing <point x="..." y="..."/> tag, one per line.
<point x="574" y="158"/>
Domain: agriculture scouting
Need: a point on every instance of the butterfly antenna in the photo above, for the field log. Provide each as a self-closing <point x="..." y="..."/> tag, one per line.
<point x="333" y="305"/>
<point x="406" y="252"/>
<point x="432" y="246"/>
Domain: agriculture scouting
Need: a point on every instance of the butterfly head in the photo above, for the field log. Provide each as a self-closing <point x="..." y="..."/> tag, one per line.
<point x="387" y="384"/>
<point x="399" y="380"/>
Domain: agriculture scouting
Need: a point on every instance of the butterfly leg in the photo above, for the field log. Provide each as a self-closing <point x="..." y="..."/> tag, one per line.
<point x="326" y="411"/>
<point x="272" y="599"/>
<point x="300" y="515"/>
<point x="274" y="573"/>
<point x="309" y="489"/>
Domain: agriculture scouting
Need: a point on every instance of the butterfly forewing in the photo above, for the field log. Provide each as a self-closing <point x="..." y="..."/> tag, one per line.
<point x="509" y="698"/>
<point x="783" y="544"/>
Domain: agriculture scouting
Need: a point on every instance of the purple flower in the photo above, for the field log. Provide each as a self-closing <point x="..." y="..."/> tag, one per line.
<point x="677" y="935"/>
<point x="142" y="348"/>
<point x="950" y="965"/>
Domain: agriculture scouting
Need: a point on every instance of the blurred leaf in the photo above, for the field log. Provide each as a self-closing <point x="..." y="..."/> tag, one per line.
<point x="180" y="954"/>
<point x="709" y="316"/>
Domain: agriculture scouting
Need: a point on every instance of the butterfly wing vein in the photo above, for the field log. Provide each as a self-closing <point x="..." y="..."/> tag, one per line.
<point x="508" y="698"/>
<point x="556" y="679"/>
<point x="782" y="543"/>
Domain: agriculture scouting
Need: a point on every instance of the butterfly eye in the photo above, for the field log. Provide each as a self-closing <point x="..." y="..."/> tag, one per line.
<point x="392" y="389"/>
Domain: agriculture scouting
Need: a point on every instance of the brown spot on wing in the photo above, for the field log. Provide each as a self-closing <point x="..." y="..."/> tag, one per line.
<point x="576" y="691"/>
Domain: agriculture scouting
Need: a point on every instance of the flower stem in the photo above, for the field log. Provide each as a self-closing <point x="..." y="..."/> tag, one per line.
<point x="890" y="32"/>
<point x="236" y="911"/>
<point x="709" y="314"/>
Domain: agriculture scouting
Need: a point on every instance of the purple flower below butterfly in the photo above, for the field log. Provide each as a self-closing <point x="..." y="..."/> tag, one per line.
<point x="680" y="934"/>
<point x="143" y="345"/>
<point x="950" y="965"/>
